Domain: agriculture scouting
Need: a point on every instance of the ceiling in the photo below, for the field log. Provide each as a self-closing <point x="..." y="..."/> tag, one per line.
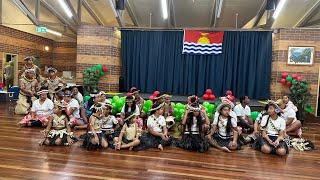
<point x="21" y="14"/>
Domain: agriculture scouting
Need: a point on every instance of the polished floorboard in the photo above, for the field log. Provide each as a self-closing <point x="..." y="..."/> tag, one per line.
<point x="22" y="158"/>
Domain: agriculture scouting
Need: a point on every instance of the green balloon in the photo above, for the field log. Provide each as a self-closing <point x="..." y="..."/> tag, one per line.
<point x="86" y="98"/>
<point x="205" y="104"/>
<point x="289" y="78"/>
<point x="115" y="98"/>
<point x="101" y="73"/>
<point x="254" y="115"/>
<point x="179" y="106"/>
<point x="98" y="67"/>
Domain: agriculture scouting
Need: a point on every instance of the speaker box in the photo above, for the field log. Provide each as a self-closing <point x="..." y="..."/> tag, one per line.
<point x="120" y="4"/>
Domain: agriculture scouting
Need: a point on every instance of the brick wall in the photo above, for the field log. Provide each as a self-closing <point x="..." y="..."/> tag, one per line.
<point x="64" y="56"/>
<point x="295" y="37"/>
<point x="60" y="55"/>
<point x="98" y="45"/>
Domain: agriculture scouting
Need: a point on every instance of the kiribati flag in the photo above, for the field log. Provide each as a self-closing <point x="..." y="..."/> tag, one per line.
<point x="202" y="43"/>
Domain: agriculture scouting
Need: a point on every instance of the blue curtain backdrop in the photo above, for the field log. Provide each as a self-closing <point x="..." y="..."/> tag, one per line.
<point x="153" y="60"/>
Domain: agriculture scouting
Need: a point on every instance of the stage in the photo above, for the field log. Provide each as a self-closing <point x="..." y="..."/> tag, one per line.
<point x="22" y="158"/>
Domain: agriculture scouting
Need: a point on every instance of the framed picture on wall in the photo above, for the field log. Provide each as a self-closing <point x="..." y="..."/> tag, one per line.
<point x="300" y="55"/>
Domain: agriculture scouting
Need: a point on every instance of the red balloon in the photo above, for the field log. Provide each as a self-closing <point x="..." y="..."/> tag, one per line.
<point x="289" y="84"/>
<point x="299" y="78"/>
<point x="283" y="81"/>
<point x="231" y="98"/>
<point x="205" y="97"/>
<point x="229" y="92"/>
<point x="284" y="75"/>
<point x="208" y="91"/>
<point x="294" y="76"/>
<point x="156" y="93"/>
<point x="151" y="97"/>
<point x="212" y="97"/>
<point x="104" y="68"/>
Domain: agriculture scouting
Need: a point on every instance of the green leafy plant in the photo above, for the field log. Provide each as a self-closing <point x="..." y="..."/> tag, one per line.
<point x="91" y="77"/>
<point x="300" y="96"/>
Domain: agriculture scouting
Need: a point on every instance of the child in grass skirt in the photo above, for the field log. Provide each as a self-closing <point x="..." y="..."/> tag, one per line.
<point x="58" y="131"/>
<point x="94" y="138"/>
<point x="194" y="121"/>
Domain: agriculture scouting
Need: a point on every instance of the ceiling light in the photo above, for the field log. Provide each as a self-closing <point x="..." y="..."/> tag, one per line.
<point x="54" y="32"/>
<point x="278" y="9"/>
<point x="65" y="8"/>
<point x="164" y="7"/>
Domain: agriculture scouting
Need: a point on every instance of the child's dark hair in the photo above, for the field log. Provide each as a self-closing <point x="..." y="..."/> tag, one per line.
<point x="190" y="122"/>
<point x="133" y="107"/>
<point x="128" y="121"/>
<point x="278" y="114"/>
<point x="228" y="127"/>
<point x="242" y="98"/>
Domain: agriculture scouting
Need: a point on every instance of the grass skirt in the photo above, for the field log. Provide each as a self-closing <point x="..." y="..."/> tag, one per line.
<point x="193" y="142"/>
<point x="148" y="141"/>
<point x="225" y="142"/>
<point x="87" y="141"/>
<point x="260" y="141"/>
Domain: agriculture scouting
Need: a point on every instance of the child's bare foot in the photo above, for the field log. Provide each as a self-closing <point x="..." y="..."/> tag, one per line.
<point x="160" y="147"/>
<point x="130" y="148"/>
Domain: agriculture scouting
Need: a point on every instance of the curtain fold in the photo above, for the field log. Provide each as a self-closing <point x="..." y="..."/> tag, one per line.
<point x="153" y="60"/>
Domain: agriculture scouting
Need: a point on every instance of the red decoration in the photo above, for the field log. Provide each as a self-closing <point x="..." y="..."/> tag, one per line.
<point x="205" y="97"/>
<point x="299" y="78"/>
<point x="151" y="97"/>
<point x="294" y="76"/>
<point x="104" y="68"/>
<point x="212" y="97"/>
<point x="231" y="98"/>
<point x="284" y="75"/>
<point x="229" y="92"/>
<point x="283" y="81"/>
<point x="289" y="84"/>
<point x="156" y="93"/>
<point x="208" y="91"/>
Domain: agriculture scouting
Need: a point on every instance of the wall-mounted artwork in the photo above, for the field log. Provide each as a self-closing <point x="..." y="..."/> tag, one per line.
<point x="300" y="55"/>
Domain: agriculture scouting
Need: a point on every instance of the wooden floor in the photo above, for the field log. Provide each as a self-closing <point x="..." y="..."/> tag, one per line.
<point x="22" y="158"/>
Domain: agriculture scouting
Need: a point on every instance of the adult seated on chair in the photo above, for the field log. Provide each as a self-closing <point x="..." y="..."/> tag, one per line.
<point x="293" y="125"/>
<point x="40" y="111"/>
<point x="28" y="86"/>
<point x="243" y="112"/>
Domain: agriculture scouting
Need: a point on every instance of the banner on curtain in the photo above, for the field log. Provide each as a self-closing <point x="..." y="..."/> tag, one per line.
<point x="202" y="43"/>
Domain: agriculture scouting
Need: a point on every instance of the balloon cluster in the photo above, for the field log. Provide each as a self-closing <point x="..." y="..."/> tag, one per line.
<point x="230" y="96"/>
<point x="117" y="104"/>
<point x="154" y="94"/>
<point x="178" y="111"/>
<point x="308" y="108"/>
<point x="254" y="115"/>
<point x="288" y="80"/>
<point x="91" y="77"/>
<point x="210" y="109"/>
<point x="208" y="95"/>
<point x="146" y="106"/>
